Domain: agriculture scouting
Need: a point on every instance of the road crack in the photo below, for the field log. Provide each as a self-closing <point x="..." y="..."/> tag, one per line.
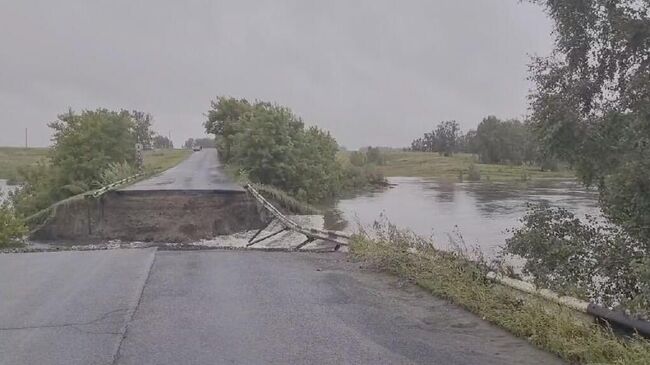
<point x="72" y="324"/>
<point x="125" y="329"/>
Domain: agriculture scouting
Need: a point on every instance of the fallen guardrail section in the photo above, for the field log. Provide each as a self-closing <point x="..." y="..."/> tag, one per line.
<point x="616" y="319"/>
<point x="312" y="234"/>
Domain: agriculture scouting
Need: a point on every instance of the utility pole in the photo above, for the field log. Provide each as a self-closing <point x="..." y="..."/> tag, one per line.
<point x="26" y="145"/>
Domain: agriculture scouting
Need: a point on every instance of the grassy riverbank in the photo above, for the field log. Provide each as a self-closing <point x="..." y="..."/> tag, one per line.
<point x="427" y="164"/>
<point x="549" y="326"/>
<point x="12" y="159"/>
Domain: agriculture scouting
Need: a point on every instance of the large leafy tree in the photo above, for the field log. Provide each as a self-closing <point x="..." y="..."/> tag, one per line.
<point x="223" y="119"/>
<point x="85" y="145"/>
<point x="446" y="137"/>
<point x="272" y="146"/>
<point x="142" y="127"/>
<point x="591" y="101"/>
<point x="504" y="141"/>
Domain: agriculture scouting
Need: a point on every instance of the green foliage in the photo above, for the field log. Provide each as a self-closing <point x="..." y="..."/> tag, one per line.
<point x="358" y="158"/>
<point x="116" y="171"/>
<point x="473" y="172"/>
<point x="591" y="102"/>
<point x="368" y="155"/>
<point x="142" y="128"/>
<point x="284" y="202"/>
<point x="85" y="145"/>
<point x="590" y="260"/>
<point x="374" y="156"/>
<point x="502" y="142"/>
<point x="162" y="142"/>
<point x="223" y="120"/>
<point x="202" y="142"/>
<point x="12" y="229"/>
<point x="444" y="139"/>
<point x="271" y="146"/>
<point x="454" y="277"/>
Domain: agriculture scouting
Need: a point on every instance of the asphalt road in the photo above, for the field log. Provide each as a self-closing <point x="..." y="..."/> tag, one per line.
<point x="68" y="307"/>
<point x="231" y="307"/>
<point x="201" y="171"/>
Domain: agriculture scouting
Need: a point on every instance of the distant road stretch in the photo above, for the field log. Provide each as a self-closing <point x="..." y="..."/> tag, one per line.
<point x="201" y="171"/>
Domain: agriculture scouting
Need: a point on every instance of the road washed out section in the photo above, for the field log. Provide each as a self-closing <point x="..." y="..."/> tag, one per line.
<point x="192" y="201"/>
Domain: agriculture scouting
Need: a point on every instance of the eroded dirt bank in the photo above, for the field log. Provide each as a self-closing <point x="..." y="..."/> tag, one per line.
<point x="156" y="216"/>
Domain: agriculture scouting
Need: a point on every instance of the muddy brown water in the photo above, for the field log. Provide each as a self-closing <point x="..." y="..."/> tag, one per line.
<point x="479" y="212"/>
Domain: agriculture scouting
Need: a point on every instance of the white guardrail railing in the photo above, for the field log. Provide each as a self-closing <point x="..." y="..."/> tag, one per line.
<point x="340" y="238"/>
<point x="103" y="190"/>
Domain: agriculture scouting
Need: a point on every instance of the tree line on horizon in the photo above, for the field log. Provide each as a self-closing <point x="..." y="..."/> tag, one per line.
<point x="494" y="141"/>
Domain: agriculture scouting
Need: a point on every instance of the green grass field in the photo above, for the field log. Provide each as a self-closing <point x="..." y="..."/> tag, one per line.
<point x="426" y="164"/>
<point x="162" y="160"/>
<point x="14" y="158"/>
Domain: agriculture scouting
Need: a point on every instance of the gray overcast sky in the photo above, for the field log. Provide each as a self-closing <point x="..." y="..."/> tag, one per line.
<point x="371" y="72"/>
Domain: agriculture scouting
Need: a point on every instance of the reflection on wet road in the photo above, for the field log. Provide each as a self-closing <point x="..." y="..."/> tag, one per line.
<point x="480" y="212"/>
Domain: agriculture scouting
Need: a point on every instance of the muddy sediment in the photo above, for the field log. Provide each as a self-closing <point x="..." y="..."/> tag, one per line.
<point x="153" y="216"/>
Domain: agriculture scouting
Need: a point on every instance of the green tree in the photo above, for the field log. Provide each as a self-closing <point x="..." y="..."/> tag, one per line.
<point x="162" y="142"/>
<point x="446" y="137"/>
<point x="12" y="229"/>
<point x="271" y="145"/>
<point x="508" y="141"/>
<point x="142" y="127"/>
<point x="85" y="145"/>
<point x="591" y="102"/>
<point x="223" y="120"/>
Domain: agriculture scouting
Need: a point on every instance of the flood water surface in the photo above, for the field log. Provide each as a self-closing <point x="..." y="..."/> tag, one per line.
<point x="479" y="212"/>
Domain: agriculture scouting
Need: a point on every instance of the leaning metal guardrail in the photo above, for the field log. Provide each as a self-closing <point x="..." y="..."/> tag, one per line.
<point x="103" y="190"/>
<point x="312" y="234"/>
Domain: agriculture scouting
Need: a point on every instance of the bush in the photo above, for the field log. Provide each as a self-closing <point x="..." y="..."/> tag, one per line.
<point x="116" y="171"/>
<point x="596" y="262"/>
<point x="358" y="158"/>
<point x="12" y="229"/>
<point x="473" y="173"/>
<point x="374" y="156"/>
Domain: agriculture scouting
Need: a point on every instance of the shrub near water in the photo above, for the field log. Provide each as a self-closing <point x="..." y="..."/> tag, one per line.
<point x="452" y="276"/>
<point x="594" y="261"/>
<point x="12" y="229"/>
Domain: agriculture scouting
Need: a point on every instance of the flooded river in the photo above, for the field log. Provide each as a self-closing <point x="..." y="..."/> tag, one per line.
<point x="480" y="212"/>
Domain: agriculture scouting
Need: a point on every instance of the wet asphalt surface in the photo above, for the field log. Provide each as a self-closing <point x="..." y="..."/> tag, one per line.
<point x="142" y="306"/>
<point x="201" y="171"/>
